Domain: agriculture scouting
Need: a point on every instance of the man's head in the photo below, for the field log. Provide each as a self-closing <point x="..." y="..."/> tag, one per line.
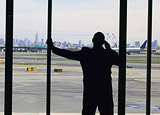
<point x="98" y="39"/>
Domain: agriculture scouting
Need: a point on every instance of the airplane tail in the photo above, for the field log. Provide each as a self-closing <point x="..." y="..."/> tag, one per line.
<point x="143" y="45"/>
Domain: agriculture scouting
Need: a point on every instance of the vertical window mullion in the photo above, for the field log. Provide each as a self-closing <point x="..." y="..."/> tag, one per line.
<point x="9" y="57"/>
<point x="148" y="84"/>
<point x="122" y="53"/>
<point x="48" y="101"/>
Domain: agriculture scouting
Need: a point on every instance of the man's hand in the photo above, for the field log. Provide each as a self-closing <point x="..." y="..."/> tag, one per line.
<point x="50" y="43"/>
<point x="107" y="45"/>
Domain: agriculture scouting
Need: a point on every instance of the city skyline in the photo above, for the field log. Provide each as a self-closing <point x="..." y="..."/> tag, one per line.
<point x="79" y="20"/>
<point x="38" y="41"/>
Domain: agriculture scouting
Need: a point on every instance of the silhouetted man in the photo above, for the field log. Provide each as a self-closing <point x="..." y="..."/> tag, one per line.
<point x="96" y="64"/>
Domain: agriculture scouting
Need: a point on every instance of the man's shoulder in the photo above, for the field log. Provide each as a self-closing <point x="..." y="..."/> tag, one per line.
<point x="86" y="48"/>
<point x="111" y="52"/>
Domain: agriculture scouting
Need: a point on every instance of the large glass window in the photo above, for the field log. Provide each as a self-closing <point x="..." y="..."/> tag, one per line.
<point x="155" y="91"/>
<point x="137" y="34"/>
<point x="74" y="24"/>
<point x="136" y="62"/>
<point x="2" y="53"/>
<point x="29" y="57"/>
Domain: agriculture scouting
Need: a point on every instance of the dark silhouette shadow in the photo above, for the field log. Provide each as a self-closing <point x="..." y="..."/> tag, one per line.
<point x="96" y="64"/>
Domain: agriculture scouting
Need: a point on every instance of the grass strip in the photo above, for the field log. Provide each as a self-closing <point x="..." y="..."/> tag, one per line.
<point x="142" y="62"/>
<point x="32" y="64"/>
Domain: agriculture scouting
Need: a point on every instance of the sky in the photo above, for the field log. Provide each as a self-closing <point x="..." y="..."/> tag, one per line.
<point x="75" y="20"/>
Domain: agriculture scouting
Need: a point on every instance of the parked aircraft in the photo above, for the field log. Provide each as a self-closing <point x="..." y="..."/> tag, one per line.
<point x="133" y="50"/>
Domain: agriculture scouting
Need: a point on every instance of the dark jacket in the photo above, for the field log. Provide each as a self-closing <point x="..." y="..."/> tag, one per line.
<point x="95" y="62"/>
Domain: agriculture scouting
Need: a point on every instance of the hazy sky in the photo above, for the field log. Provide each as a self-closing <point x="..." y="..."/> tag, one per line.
<point x="80" y="19"/>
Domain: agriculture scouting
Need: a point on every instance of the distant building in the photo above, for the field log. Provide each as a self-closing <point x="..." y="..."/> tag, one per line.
<point x="90" y="45"/>
<point x="36" y="42"/>
<point x="16" y="41"/>
<point x="75" y="45"/>
<point x="137" y="44"/>
<point x="128" y="45"/>
<point x="26" y="40"/>
<point x="155" y="44"/>
<point x="55" y="43"/>
<point x="64" y="44"/>
<point x="60" y="44"/>
<point x="80" y="43"/>
<point x="30" y="43"/>
<point x="42" y="42"/>
<point x="2" y="41"/>
<point x="69" y="45"/>
<point x="21" y="43"/>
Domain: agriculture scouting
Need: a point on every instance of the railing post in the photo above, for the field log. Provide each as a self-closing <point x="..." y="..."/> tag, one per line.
<point x="8" y="57"/>
<point x="48" y="107"/>
<point x="122" y="53"/>
<point x="148" y="85"/>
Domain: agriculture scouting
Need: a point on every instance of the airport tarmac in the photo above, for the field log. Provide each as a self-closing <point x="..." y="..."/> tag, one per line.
<point x="29" y="88"/>
<point x="1" y="113"/>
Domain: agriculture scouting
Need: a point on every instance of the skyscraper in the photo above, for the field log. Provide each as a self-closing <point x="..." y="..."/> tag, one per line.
<point x="137" y="44"/>
<point x="42" y="42"/>
<point x="80" y="43"/>
<point x="17" y="41"/>
<point x="2" y="41"/>
<point x="36" y="42"/>
<point x="155" y="44"/>
<point x="26" y="41"/>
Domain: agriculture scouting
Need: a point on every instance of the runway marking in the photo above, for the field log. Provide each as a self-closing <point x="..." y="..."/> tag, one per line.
<point x="156" y="108"/>
<point x="129" y="73"/>
<point x="144" y="79"/>
<point x="136" y="79"/>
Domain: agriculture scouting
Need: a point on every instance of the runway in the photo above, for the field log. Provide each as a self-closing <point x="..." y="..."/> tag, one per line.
<point x="29" y="88"/>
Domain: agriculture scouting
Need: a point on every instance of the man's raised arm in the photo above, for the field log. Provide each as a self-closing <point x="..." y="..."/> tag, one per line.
<point x="63" y="52"/>
<point x="117" y="60"/>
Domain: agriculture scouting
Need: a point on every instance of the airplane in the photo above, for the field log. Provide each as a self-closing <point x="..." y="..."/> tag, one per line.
<point x="133" y="50"/>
